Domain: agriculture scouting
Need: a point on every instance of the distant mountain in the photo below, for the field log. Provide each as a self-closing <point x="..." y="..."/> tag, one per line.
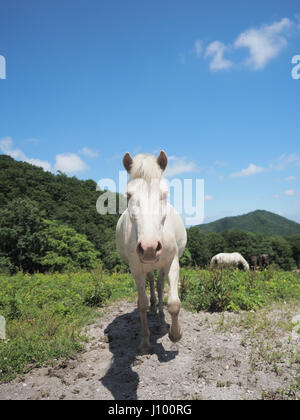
<point x="257" y="221"/>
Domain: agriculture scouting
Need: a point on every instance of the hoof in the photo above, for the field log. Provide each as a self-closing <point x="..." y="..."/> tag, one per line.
<point x="174" y="337"/>
<point x="144" y="347"/>
<point x="144" y="350"/>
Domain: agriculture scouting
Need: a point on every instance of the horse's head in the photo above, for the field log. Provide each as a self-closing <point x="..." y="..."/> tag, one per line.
<point x="147" y="202"/>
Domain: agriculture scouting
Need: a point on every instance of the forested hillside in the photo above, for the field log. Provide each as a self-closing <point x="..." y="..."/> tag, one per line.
<point x="261" y="221"/>
<point x="68" y="201"/>
<point x="50" y="223"/>
<point x="283" y="251"/>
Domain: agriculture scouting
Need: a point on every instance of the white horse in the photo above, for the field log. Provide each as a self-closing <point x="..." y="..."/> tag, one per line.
<point x="150" y="235"/>
<point x="225" y="259"/>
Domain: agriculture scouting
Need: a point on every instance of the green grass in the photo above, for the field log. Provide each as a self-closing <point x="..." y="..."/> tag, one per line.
<point x="45" y="313"/>
<point x="234" y="290"/>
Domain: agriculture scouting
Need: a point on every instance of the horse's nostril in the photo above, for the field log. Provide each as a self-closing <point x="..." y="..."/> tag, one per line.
<point x="140" y="248"/>
<point x="159" y="247"/>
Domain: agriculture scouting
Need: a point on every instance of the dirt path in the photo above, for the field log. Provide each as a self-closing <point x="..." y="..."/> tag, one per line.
<point x="216" y="359"/>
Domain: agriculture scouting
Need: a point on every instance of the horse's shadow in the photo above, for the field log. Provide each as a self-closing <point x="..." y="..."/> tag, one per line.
<point x="124" y="337"/>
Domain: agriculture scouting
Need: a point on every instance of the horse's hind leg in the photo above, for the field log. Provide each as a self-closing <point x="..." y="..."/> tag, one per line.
<point x="150" y="277"/>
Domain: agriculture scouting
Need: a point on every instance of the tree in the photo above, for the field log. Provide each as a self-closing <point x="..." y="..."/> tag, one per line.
<point x="239" y="241"/>
<point x="21" y="235"/>
<point x="31" y="243"/>
<point x="282" y="253"/>
<point x="58" y="197"/>
<point x="111" y="259"/>
<point x="63" y="248"/>
<point x="261" y="244"/>
<point x="197" y="244"/>
<point x="216" y="243"/>
<point x="6" y="266"/>
<point x="294" y="242"/>
<point x="186" y="258"/>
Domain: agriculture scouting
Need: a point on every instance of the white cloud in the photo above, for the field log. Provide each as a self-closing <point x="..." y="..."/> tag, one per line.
<point x="264" y="43"/>
<point x="285" y="160"/>
<point x="179" y="165"/>
<point x="89" y="153"/>
<point x="41" y="163"/>
<point x="69" y="163"/>
<point x="216" y="50"/>
<point x="290" y="178"/>
<point x="6" y="146"/>
<point x="251" y="170"/>
<point x="65" y="162"/>
<point x="290" y="192"/>
<point x="276" y="196"/>
<point x="208" y="197"/>
<point x="198" y="48"/>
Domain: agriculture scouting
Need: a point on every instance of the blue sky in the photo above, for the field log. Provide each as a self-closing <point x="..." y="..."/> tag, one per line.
<point x="208" y="82"/>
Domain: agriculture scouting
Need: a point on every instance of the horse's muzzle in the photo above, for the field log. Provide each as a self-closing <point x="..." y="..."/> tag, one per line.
<point x="149" y="252"/>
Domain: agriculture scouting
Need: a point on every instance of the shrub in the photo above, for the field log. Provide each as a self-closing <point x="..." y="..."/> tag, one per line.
<point x="234" y="290"/>
<point x="64" y="248"/>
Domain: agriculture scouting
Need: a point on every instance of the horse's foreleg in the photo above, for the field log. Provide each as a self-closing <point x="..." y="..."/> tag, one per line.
<point x="143" y="304"/>
<point x="150" y="277"/>
<point x="160" y="293"/>
<point x="175" y="332"/>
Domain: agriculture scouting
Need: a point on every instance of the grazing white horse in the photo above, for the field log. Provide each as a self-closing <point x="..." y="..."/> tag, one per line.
<point x="151" y="235"/>
<point x="225" y="259"/>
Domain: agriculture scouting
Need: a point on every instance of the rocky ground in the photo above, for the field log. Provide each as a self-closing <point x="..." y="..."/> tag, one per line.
<point x="221" y="356"/>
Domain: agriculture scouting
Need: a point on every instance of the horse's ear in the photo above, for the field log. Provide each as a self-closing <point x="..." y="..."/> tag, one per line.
<point x="127" y="162"/>
<point x="162" y="160"/>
